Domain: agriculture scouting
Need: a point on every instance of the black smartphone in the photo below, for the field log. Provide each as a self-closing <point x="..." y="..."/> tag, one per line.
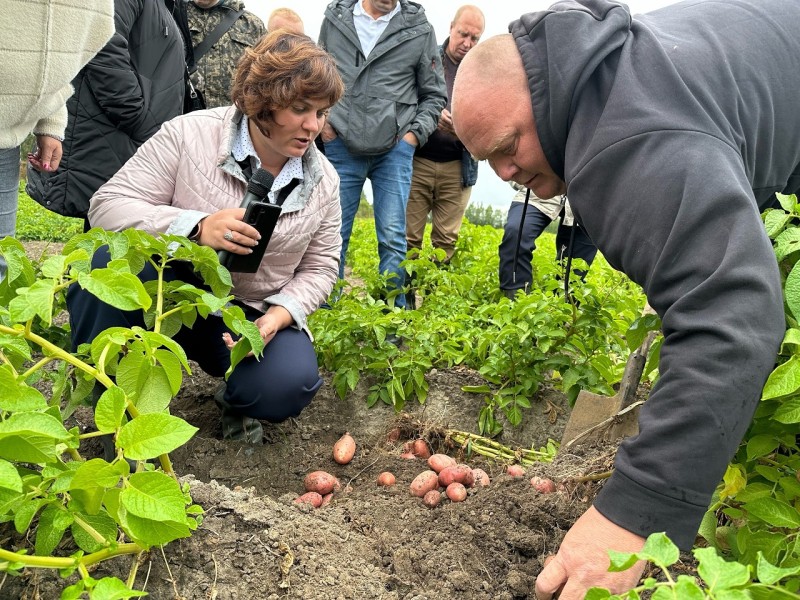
<point x="263" y="216"/>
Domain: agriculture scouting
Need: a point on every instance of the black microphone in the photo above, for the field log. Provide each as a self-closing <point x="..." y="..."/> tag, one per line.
<point x="257" y="189"/>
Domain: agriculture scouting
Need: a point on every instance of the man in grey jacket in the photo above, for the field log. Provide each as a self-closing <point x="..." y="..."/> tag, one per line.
<point x="669" y="131"/>
<point x="387" y="55"/>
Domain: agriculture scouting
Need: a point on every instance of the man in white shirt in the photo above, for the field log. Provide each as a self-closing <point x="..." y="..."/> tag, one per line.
<point x="387" y="55"/>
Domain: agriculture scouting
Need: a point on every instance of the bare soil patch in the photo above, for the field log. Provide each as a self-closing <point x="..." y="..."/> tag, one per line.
<point x="369" y="542"/>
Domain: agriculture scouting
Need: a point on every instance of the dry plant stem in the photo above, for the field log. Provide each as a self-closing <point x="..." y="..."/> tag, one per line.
<point x="495" y="450"/>
<point x="354" y="477"/>
<point x="592" y="477"/>
<point x="169" y="571"/>
<point x="605" y="423"/>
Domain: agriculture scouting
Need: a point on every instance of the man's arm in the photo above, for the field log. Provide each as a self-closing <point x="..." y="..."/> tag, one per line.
<point x="679" y="218"/>
<point x="431" y="91"/>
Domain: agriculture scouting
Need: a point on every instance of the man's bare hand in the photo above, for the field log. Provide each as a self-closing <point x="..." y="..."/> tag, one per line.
<point x="328" y="133"/>
<point x="411" y="139"/>
<point x="446" y="122"/>
<point x="270" y="323"/>
<point x="582" y="560"/>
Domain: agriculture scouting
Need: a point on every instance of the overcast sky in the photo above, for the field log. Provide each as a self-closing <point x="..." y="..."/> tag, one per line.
<point x="490" y="189"/>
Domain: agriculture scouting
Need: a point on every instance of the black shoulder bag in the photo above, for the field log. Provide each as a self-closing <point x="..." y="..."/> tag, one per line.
<point x="193" y="98"/>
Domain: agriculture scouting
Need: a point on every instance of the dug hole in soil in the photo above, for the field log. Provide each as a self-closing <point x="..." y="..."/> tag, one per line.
<point x="370" y="542"/>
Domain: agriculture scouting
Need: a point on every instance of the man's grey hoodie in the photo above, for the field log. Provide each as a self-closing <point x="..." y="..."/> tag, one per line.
<point x="672" y="130"/>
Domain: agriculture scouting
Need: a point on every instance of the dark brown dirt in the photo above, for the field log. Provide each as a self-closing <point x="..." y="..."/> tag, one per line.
<point x="370" y="542"/>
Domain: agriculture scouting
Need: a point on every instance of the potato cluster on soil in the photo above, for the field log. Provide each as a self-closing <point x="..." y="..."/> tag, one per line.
<point x="371" y="541"/>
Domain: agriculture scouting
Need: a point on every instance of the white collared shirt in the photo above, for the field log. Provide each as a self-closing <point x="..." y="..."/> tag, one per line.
<point x="243" y="149"/>
<point x="369" y="29"/>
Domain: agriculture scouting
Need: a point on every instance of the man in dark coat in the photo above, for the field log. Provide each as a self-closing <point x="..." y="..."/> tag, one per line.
<point x="669" y="131"/>
<point x="122" y="96"/>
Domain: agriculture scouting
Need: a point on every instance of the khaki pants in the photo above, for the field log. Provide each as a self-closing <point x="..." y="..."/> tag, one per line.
<point x="436" y="189"/>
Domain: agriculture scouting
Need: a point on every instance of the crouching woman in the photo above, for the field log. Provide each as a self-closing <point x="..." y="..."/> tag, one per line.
<point x="189" y="179"/>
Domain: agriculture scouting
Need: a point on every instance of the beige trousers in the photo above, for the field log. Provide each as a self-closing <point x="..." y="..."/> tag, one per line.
<point x="436" y="189"/>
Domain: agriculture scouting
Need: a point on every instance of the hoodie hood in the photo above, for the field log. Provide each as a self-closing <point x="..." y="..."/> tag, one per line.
<point x="561" y="49"/>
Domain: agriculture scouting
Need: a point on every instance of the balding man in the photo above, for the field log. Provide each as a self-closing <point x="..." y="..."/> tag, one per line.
<point x="670" y="131"/>
<point x="285" y="18"/>
<point x="444" y="172"/>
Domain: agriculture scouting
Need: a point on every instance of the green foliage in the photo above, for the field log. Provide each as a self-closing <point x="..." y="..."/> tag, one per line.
<point x="465" y="320"/>
<point x="755" y="516"/>
<point x="483" y="214"/>
<point x="718" y="578"/>
<point x="47" y="488"/>
<point x="34" y="222"/>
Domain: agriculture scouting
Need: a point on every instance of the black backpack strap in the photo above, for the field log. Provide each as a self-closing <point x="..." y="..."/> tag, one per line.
<point x="212" y="38"/>
<point x="285" y="191"/>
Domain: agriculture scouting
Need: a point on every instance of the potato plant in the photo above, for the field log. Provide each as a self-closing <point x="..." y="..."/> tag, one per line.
<point x="717" y="578"/>
<point x="463" y="319"/>
<point x="49" y="489"/>
<point x="755" y="515"/>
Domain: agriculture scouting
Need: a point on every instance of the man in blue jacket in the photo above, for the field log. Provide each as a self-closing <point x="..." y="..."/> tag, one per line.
<point x="669" y="131"/>
<point x="388" y="58"/>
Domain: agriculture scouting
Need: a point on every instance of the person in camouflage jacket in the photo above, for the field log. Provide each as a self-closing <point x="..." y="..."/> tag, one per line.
<point x="215" y="69"/>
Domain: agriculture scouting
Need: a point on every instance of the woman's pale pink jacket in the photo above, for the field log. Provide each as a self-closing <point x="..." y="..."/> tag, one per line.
<point x="186" y="172"/>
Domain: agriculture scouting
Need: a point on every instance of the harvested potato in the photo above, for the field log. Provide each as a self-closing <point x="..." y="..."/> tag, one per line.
<point x="469" y="477"/>
<point x="321" y="482"/>
<point x="456" y="492"/>
<point x="312" y="498"/>
<point x="344" y="449"/>
<point x="326" y="499"/>
<point x="420" y="448"/>
<point x="457" y="473"/>
<point x="424" y="483"/>
<point x="515" y="471"/>
<point x="481" y="477"/>
<point x="543" y="485"/>
<point x="408" y="456"/>
<point x="386" y="479"/>
<point x="431" y="499"/>
<point x="438" y="462"/>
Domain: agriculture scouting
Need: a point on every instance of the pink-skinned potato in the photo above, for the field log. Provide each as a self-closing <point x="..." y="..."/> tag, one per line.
<point x="424" y="483"/>
<point x="312" y="498"/>
<point x="420" y="448"/>
<point x="456" y="492"/>
<point x="326" y="499"/>
<point x="386" y="479"/>
<point x="431" y="499"/>
<point x="344" y="449"/>
<point x="321" y="482"/>
<point x="469" y="476"/>
<point x="543" y="485"/>
<point x="457" y="473"/>
<point x="515" y="471"/>
<point x="481" y="477"/>
<point x="439" y="462"/>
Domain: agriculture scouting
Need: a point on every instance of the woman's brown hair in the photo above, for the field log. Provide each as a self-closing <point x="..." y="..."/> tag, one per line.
<point x="278" y="70"/>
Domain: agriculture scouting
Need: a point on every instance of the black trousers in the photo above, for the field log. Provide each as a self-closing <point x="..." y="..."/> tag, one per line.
<point x="277" y="386"/>
<point x="535" y="223"/>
